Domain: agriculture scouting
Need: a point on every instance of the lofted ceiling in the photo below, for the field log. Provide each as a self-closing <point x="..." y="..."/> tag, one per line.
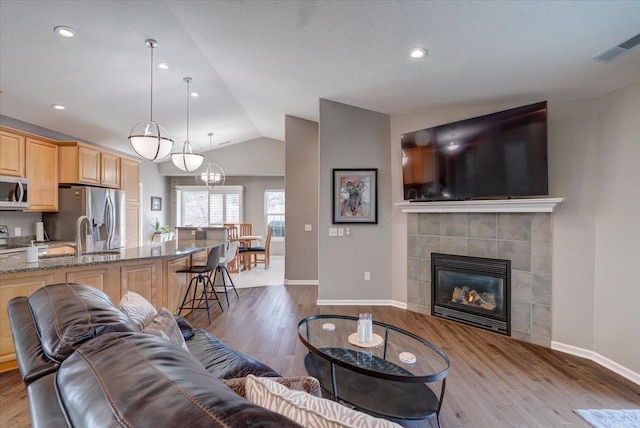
<point x="253" y="62"/>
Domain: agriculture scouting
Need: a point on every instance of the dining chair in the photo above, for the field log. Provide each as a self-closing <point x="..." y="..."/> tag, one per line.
<point x="260" y="254"/>
<point x="202" y="277"/>
<point x="232" y="232"/>
<point x="229" y="257"/>
<point x="245" y="229"/>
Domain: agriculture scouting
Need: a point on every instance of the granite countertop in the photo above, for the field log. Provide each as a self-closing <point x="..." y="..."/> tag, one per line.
<point x="12" y="263"/>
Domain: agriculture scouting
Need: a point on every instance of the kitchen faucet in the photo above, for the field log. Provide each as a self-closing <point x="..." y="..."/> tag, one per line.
<point x="81" y="219"/>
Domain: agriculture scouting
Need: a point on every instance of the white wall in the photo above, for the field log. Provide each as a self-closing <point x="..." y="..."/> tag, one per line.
<point x="262" y="156"/>
<point x="351" y="137"/>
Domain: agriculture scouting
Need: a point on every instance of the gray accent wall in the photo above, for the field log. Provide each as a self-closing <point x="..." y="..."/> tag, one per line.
<point x="301" y="190"/>
<point x="352" y="137"/>
<point x="153" y="184"/>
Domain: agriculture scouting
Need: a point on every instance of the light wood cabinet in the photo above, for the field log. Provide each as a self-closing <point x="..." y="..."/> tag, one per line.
<point x="80" y="163"/>
<point x="21" y="285"/>
<point x="130" y="179"/>
<point x="142" y="279"/>
<point x="105" y="278"/>
<point x="41" y="168"/>
<point x="110" y="170"/>
<point x="12" y="154"/>
<point x="175" y="284"/>
<point x="132" y="224"/>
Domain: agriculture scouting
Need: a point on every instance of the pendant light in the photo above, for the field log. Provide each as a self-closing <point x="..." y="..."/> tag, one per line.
<point x="185" y="159"/>
<point x="150" y="140"/>
<point x="212" y="174"/>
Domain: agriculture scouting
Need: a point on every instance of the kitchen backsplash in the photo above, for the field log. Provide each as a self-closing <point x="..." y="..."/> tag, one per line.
<point x="25" y="221"/>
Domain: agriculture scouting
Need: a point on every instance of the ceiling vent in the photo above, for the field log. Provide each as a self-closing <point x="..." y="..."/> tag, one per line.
<point x="622" y="48"/>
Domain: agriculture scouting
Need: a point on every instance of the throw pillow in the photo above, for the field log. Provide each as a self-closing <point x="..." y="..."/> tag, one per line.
<point x="137" y="308"/>
<point x="308" y="384"/>
<point x="306" y="409"/>
<point x="164" y="325"/>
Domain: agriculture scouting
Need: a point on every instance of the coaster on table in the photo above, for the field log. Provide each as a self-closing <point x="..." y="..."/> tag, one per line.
<point x="328" y="326"/>
<point x="377" y="341"/>
<point x="407" y="357"/>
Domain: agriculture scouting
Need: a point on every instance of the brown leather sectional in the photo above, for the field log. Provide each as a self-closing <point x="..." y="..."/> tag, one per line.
<point x="86" y="364"/>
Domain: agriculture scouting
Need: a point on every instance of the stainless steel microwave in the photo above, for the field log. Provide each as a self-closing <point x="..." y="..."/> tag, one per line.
<point x="14" y="193"/>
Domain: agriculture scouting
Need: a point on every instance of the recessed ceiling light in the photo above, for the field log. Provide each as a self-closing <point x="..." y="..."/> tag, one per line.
<point x="66" y="32"/>
<point x="57" y="106"/>
<point x="417" y="53"/>
<point x="163" y="65"/>
<point x="194" y="94"/>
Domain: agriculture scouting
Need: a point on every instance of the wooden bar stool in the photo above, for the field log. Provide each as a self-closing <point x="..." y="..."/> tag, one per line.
<point x="203" y="276"/>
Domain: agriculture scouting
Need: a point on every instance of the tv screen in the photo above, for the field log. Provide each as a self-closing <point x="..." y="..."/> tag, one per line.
<point x="502" y="154"/>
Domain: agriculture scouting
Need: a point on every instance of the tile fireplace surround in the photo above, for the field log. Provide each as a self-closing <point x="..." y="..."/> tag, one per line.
<point x="522" y="237"/>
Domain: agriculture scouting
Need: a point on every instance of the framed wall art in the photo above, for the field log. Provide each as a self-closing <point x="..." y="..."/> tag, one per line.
<point x="156" y="203"/>
<point x="355" y="196"/>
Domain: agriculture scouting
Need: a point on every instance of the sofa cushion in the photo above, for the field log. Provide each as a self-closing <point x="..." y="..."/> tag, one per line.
<point x="306" y="409"/>
<point x="137" y="308"/>
<point x="222" y="361"/>
<point x="67" y="315"/>
<point x="138" y="380"/>
<point x="308" y="384"/>
<point x="164" y="325"/>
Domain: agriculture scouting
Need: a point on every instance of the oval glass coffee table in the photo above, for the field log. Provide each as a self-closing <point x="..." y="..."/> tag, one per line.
<point x="388" y="380"/>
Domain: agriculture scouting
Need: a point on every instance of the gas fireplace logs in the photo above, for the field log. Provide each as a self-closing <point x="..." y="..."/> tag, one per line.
<point x="469" y="297"/>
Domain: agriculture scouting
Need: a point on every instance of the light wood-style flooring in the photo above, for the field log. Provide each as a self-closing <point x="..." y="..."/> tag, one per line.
<point x="495" y="381"/>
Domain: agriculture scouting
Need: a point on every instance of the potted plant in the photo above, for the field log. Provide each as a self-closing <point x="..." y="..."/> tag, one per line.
<point x="161" y="233"/>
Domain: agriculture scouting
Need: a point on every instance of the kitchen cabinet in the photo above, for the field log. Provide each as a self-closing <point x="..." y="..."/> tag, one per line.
<point x="80" y="163"/>
<point x="105" y="278"/>
<point x="175" y="284"/>
<point x="130" y="183"/>
<point x="132" y="224"/>
<point x="12" y="154"/>
<point x="15" y="286"/>
<point x="142" y="279"/>
<point x="41" y="168"/>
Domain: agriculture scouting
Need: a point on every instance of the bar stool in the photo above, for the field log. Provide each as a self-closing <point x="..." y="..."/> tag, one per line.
<point x="203" y="277"/>
<point x="222" y="268"/>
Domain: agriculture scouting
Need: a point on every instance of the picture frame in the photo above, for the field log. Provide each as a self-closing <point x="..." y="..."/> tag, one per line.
<point x="156" y="203"/>
<point x="355" y="195"/>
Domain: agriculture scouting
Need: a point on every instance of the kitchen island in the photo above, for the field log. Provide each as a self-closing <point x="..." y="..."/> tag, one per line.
<point x="149" y="270"/>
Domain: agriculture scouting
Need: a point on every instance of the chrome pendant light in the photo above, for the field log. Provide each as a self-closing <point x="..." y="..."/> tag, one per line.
<point x="212" y="174"/>
<point x="150" y="140"/>
<point x="185" y="159"/>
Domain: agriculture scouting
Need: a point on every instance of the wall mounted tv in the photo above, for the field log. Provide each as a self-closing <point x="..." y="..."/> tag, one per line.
<point x="500" y="155"/>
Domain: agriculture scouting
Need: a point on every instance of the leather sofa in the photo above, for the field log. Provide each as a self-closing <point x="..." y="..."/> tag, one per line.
<point x="86" y="364"/>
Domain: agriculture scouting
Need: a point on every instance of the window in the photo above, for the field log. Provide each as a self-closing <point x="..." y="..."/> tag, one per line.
<point x="274" y="212"/>
<point x="199" y="207"/>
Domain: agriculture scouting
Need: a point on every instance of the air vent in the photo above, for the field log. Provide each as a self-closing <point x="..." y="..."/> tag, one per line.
<point x="622" y="48"/>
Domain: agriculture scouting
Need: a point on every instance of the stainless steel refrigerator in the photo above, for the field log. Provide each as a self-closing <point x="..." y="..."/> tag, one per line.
<point x="104" y="207"/>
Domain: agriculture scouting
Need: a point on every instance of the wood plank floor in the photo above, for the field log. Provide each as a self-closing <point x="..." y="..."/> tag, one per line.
<point x="495" y="381"/>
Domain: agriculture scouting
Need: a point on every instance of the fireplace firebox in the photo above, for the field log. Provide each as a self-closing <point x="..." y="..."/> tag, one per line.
<point x="472" y="290"/>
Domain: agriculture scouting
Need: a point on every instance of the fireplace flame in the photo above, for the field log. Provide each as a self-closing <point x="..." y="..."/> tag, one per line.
<point x="470" y="297"/>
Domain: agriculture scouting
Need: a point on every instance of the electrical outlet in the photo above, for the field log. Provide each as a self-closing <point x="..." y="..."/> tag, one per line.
<point x="18" y="231"/>
<point x="333" y="231"/>
<point x="341" y="231"/>
<point x="367" y="276"/>
<point x="193" y="233"/>
<point x="307" y="228"/>
<point x="347" y="231"/>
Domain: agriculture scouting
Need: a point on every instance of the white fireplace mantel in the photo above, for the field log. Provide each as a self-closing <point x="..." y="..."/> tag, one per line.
<point x="541" y="205"/>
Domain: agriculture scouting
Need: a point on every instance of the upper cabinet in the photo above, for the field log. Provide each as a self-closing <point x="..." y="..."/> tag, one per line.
<point x="130" y="179"/>
<point x="12" y="153"/>
<point x="41" y="168"/>
<point x="84" y="164"/>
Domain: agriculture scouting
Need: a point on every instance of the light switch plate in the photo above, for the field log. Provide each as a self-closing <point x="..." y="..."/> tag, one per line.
<point x="341" y="231"/>
<point x="333" y="231"/>
<point x="347" y="231"/>
<point x="18" y="231"/>
<point x="307" y="228"/>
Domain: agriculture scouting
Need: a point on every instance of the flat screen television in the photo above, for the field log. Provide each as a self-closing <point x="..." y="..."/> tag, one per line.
<point x="500" y="155"/>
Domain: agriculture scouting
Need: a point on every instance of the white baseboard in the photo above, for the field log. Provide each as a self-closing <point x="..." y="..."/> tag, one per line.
<point x="603" y="361"/>
<point x="394" y="303"/>
<point x="300" y="282"/>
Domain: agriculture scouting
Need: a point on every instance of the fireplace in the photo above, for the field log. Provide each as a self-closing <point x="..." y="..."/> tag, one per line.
<point x="472" y="290"/>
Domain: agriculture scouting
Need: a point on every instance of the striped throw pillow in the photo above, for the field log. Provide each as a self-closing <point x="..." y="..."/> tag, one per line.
<point x="306" y="409"/>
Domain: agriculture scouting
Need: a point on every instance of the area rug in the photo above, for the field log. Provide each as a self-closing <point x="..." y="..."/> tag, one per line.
<point x="611" y="418"/>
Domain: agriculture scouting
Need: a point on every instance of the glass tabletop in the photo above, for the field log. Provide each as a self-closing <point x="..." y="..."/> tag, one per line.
<point x="400" y="356"/>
